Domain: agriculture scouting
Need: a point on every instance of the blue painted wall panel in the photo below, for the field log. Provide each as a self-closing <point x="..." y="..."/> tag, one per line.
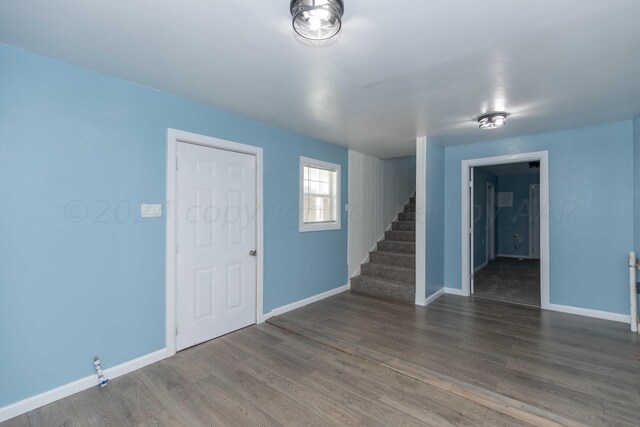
<point x="636" y="180"/>
<point x="636" y="190"/>
<point x="591" y="184"/>
<point x="435" y="218"/>
<point x="79" y="273"/>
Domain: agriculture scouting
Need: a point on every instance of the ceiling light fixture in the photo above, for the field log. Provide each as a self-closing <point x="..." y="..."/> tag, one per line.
<point x="492" y="120"/>
<point x="317" y="19"/>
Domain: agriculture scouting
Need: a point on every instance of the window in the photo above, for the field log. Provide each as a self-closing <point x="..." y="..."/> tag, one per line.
<point x="319" y="195"/>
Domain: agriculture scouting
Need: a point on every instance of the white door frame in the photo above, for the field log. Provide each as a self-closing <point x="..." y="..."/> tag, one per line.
<point x="174" y="137"/>
<point x="491" y="224"/>
<point x="543" y="158"/>
<point x="531" y="216"/>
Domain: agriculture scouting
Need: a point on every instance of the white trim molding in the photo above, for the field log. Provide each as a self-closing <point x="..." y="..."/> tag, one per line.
<point x="466" y="165"/>
<point x="434" y="297"/>
<point x="421" y="219"/>
<point x="299" y="304"/>
<point x="42" y="399"/>
<point x="597" y="314"/>
<point x="174" y="137"/>
<point x="305" y="227"/>
<point x="515" y="256"/>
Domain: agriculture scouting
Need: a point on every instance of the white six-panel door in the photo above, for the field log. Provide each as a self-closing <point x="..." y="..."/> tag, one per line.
<point x="216" y="234"/>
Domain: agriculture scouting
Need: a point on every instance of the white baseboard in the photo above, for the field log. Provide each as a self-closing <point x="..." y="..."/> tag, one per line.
<point x="295" y="305"/>
<point x="605" y="315"/>
<point x="481" y="266"/>
<point x="453" y="291"/>
<point x="434" y="297"/>
<point x="515" y="256"/>
<point x="31" y="403"/>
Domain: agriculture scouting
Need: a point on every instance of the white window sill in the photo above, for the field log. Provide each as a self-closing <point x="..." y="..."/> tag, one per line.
<point x="306" y="228"/>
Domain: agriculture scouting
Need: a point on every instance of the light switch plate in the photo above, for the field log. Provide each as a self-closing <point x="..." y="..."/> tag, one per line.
<point x="150" y="211"/>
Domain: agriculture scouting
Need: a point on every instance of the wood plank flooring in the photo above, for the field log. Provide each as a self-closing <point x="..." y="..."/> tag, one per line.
<point x="359" y="361"/>
<point x="564" y="368"/>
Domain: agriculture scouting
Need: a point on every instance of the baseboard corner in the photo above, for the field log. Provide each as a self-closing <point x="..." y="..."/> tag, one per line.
<point x="434" y="297"/>
<point x="453" y="291"/>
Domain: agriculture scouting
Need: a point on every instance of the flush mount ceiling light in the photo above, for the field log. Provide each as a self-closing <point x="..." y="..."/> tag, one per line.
<point x="492" y="120"/>
<point x="317" y="19"/>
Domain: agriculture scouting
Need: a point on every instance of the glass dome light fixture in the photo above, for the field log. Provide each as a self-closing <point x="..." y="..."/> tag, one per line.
<point x="317" y="19"/>
<point x="493" y="120"/>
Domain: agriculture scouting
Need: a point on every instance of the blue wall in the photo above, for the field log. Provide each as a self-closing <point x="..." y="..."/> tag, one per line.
<point x="435" y="218"/>
<point x="636" y="180"/>
<point x="591" y="184"/>
<point x="515" y="219"/>
<point x="75" y="282"/>
<point x="480" y="180"/>
<point x="636" y="190"/>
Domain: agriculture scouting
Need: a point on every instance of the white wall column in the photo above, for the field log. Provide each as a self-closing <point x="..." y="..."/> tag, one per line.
<point x="421" y="219"/>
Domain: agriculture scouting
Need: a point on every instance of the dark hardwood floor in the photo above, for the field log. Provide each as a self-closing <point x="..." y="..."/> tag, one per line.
<point x="356" y="360"/>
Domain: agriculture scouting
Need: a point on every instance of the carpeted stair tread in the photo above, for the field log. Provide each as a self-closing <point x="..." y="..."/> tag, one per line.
<point x="389" y="271"/>
<point x="403" y="236"/>
<point x="403" y="226"/>
<point x="397" y="246"/>
<point x="393" y="258"/>
<point x="383" y="288"/>
<point x="404" y="216"/>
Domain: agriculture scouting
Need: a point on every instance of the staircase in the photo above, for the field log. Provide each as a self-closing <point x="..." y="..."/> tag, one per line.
<point x="391" y="270"/>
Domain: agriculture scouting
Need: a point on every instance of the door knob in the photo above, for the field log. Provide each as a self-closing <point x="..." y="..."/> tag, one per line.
<point x="253" y="253"/>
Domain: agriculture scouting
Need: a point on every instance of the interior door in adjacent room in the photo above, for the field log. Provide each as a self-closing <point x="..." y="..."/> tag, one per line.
<point x="216" y="243"/>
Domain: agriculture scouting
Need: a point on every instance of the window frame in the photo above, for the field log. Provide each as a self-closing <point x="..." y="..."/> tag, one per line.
<point x="320" y="226"/>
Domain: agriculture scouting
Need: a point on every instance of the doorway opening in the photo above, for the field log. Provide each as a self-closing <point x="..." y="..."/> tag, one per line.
<point x="505" y="205"/>
<point x="506" y="217"/>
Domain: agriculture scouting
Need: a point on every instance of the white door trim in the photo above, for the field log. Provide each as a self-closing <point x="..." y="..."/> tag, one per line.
<point x="543" y="158"/>
<point x="531" y="216"/>
<point x="175" y="136"/>
<point x="491" y="222"/>
<point x="421" y="219"/>
<point x="472" y="231"/>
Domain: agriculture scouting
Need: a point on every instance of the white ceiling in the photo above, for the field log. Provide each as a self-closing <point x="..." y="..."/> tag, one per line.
<point x="398" y="70"/>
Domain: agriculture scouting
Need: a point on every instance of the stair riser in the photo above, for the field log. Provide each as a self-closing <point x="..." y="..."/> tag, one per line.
<point x="409" y="208"/>
<point x="392" y="259"/>
<point x="384" y="272"/>
<point x="390" y="246"/>
<point x="403" y="226"/>
<point x="403" y="216"/>
<point x="402" y="236"/>
<point x="362" y="285"/>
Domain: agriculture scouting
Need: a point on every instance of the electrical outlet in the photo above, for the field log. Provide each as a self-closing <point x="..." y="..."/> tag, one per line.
<point x="150" y="211"/>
